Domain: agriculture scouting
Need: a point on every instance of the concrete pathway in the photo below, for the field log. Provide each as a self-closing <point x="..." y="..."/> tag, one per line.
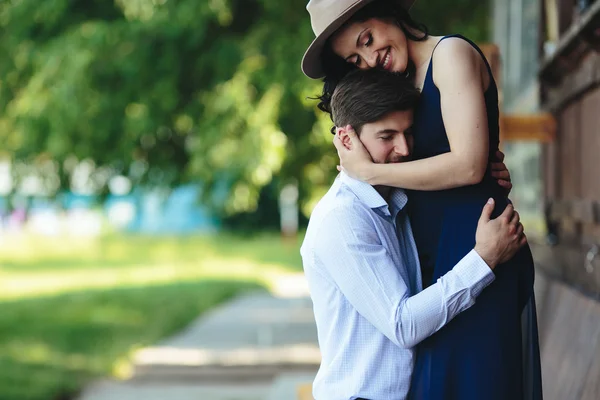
<point x="131" y="390"/>
<point x="258" y="346"/>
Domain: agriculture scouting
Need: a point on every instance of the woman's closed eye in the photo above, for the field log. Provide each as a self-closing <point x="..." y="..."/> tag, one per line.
<point x="366" y="43"/>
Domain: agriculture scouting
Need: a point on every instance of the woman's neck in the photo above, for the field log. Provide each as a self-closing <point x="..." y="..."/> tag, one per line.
<point x="420" y="54"/>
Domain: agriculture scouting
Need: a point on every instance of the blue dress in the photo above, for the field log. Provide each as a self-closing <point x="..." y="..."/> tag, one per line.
<point x="490" y="351"/>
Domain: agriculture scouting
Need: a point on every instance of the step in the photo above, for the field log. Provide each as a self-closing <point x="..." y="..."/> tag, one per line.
<point x="290" y="386"/>
<point x="134" y="390"/>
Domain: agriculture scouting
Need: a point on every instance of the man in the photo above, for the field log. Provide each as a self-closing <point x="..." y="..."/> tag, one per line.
<point x="361" y="262"/>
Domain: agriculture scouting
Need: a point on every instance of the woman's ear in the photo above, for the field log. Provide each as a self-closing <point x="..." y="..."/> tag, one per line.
<point x="342" y="134"/>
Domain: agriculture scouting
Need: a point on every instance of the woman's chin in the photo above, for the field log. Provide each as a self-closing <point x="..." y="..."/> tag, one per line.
<point x="398" y="63"/>
<point x="399" y="69"/>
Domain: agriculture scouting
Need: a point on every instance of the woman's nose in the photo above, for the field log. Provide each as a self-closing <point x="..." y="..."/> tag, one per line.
<point x="372" y="59"/>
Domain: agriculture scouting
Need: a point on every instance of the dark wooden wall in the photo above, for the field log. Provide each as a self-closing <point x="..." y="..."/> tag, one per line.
<point x="570" y="83"/>
<point x="567" y="282"/>
<point x="570" y="341"/>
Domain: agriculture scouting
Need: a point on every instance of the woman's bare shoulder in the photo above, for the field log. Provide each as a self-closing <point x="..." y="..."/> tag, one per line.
<point x="455" y="57"/>
<point x="455" y="49"/>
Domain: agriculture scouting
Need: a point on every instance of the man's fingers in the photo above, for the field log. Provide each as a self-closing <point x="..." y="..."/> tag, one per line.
<point x="514" y="221"/>
<point x="501" y="174"/>
<point x="487" y="211"/>
<point x="523" y="240"/>
<point x="505" y="184"/>
<point x="515" y="218"/>
<point x="519" y="230"/>
<point x="498" y="166"/>
<point x="499" y="156"/>
<point x="508" y="212"/>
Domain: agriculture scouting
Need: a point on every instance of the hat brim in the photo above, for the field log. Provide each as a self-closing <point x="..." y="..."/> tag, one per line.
<point x="311" y="62"/>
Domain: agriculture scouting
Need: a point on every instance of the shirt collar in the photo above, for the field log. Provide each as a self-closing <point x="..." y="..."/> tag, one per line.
<point x="371" y="197"/>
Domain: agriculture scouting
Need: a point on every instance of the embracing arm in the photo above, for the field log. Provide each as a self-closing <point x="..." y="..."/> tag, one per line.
<point x="351" y="252"/>
<point x="460" y="79"/>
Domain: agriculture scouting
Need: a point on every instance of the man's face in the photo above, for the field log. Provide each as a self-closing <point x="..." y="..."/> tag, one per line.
<point x="389" y="140"/>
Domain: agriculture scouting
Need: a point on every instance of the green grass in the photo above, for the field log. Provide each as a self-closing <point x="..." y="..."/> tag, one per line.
<point x="72" y="310"/>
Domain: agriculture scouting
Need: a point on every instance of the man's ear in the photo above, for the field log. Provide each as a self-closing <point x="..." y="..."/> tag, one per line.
<point x="342" y="134"/>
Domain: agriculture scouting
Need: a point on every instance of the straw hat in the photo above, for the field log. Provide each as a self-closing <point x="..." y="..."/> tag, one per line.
<point x="326" y="16"/>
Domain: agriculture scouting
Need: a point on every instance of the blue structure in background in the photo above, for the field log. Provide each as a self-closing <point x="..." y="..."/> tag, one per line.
<point x="178" y="213"/>
<point x="70" y="201"/>
<point x="143" y="211"/>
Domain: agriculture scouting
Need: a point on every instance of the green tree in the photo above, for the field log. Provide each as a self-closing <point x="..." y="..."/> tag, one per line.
<point x="169" y="91"/>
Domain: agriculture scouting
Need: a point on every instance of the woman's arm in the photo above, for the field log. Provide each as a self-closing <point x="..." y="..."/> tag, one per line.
<point x="459" y="74"/>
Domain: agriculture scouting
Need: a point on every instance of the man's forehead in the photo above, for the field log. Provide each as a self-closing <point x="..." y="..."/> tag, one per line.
<point x="398" y="121"/>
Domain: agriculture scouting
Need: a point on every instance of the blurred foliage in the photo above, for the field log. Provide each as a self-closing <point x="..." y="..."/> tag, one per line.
<point x="168" y="91"/>
<point x="472" y="19"/>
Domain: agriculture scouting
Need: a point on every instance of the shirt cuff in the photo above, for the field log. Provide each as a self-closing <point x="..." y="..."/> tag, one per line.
<point x="474" y="272"/>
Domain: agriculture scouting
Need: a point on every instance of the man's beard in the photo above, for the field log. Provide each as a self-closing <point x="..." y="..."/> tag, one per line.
<point x="398" y="159"/>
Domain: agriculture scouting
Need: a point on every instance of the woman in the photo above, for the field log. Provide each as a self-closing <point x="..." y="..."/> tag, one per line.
<point x="490" y="351"/>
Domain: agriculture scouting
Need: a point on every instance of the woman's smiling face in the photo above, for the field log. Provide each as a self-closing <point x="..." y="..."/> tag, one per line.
<point x="372" y="43"/>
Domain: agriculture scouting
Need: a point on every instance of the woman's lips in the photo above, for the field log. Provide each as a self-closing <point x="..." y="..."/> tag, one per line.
<point x="387" y="60"/>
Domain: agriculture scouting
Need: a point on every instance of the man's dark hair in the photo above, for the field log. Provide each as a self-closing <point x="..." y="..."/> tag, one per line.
<point x="366" y="96"/>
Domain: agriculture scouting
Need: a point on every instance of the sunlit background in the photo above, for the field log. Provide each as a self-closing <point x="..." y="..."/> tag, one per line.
<point x="161" y="157"/>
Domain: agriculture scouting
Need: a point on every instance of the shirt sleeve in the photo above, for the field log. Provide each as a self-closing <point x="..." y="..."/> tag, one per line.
<point x="352" y="254"/>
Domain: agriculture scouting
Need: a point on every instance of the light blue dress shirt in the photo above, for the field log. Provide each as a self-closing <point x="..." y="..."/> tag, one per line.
<point x="368" y="301"/>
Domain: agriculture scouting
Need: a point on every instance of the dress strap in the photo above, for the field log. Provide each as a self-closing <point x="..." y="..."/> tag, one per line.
<point x="489" y="68"/>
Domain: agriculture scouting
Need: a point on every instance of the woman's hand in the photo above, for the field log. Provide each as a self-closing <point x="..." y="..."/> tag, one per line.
<point x="355" y="160"/>
<point x="500" y="172"/>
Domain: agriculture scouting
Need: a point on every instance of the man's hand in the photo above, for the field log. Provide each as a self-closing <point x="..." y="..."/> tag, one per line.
<point x="500" y="172"/>
<point x="497" y="240"/>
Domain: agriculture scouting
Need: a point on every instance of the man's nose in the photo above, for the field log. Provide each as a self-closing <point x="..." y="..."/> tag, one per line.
<point x="401" y="146"/>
